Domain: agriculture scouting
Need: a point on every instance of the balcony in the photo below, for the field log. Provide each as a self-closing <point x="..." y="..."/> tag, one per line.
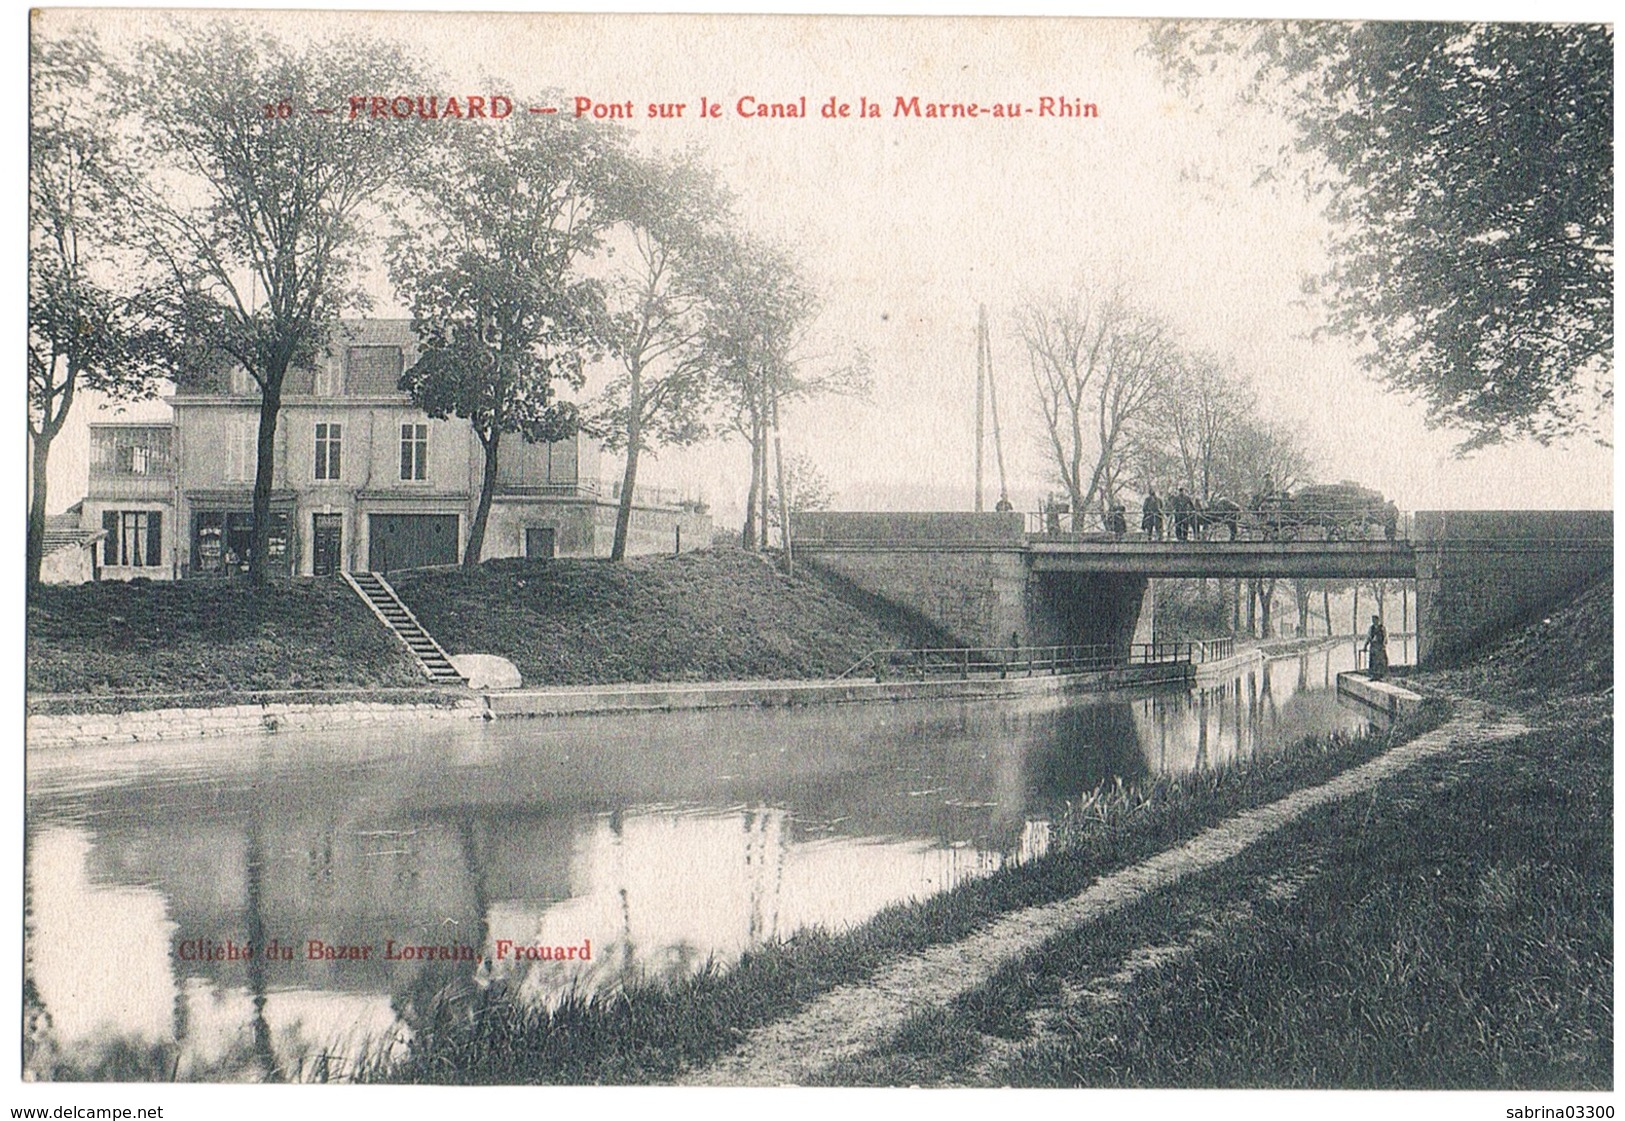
<point x="582" y="488"/>
<point x="647" y="496"/>
<point x="129" y="461"/>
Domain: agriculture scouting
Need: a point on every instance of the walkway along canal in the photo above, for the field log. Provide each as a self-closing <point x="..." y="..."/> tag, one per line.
<point x="387" y="862"/>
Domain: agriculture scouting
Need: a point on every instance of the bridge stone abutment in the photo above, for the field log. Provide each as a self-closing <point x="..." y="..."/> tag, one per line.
<point x="966" y="573"/>
<point x="972" y="575"/>
<point x="1479" y="571"/>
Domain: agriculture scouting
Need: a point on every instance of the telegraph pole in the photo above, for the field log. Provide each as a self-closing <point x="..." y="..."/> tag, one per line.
<point x="981" y="392"/>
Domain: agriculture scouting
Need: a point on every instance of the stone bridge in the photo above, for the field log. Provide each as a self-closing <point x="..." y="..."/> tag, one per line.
<point x="986" y="581"/>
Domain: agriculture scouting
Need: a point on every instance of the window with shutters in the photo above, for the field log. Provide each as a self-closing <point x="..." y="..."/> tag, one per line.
<point x="329" y="379"/>
<point x="241" y="449"/>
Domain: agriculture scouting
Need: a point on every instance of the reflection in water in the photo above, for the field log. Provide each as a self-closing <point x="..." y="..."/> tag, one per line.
<point x="379" y="876"/>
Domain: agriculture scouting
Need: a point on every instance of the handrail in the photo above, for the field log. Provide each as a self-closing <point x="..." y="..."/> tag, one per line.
<point x="1283" y="520"/>
<point x="963" y="661"/>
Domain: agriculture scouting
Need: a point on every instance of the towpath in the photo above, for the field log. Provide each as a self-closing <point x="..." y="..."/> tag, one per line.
<point x="853" y="1018"/>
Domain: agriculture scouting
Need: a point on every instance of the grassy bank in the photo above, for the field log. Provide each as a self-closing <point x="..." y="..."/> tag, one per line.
<point x="700" y="617"/>
<point x="716" y="615"/>
<point x="1454" y="930"/>
<point x="1458" y="937"/>
<point x="654" y="1032"/>
<point x="163" y="639"/>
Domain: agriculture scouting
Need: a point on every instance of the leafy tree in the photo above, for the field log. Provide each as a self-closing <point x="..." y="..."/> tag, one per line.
<point x="253" y="201"/>
<point x="89" y="327"/>
<point x="1098" y="366"/>
<point x="487" y="265"/>
<point x="759" y="311"/>
<point x="1469" y="175"/>
<point x="668" y="211"/>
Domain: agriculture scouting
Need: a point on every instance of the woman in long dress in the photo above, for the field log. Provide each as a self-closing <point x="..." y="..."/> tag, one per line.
<point x="1376" y="645"/>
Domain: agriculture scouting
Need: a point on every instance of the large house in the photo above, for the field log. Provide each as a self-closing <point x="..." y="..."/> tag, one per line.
<point x="362" y="479"/>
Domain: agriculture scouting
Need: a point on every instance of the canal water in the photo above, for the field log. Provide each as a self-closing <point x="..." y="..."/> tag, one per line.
<point x="368" y="870"/>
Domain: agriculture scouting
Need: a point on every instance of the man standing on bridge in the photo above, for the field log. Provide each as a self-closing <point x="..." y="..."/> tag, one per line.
<point x="1181" y="505"/>
<point x="1151" y="515"/>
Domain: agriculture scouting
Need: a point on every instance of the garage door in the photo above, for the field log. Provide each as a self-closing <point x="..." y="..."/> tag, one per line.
<point x="397" y="541"/>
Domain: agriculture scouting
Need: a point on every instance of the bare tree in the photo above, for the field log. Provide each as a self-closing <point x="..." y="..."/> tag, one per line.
<point x="805" y="489"/>
<point x="1203" y="410"/>
<point x="1098" y="365"/>
<point x="251" y="199"/>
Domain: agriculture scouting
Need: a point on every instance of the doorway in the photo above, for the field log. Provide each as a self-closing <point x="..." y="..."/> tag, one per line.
<point x="540" y="542"/>
<point x="327" y="544"/>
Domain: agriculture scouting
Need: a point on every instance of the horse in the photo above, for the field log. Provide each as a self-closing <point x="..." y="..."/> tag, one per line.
<point x="1219" y="511"/>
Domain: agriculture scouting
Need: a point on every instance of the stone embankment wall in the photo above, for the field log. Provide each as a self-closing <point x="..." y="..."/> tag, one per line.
<point x="1479" y="571"/>
<point x="233" y="720"/>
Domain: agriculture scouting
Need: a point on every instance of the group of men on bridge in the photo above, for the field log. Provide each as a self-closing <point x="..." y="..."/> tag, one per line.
<point x="1331" y="512"/>
<point x="1180" y="505"/>
<point x="1186" y="518"/>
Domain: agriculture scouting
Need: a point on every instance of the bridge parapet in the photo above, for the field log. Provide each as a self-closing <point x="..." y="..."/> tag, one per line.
<point x="1479" y="571"/>
<point x="903" y="529"/>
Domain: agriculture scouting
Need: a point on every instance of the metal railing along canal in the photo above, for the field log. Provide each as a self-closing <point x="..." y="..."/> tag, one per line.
<point x="964" y="662"/>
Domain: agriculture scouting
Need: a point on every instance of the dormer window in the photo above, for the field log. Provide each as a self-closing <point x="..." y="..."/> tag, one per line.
<point x="329" y="380"/>
<point x="373" y="370"/>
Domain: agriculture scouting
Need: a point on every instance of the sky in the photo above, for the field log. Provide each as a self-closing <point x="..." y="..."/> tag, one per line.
<point x="905" y="226"/>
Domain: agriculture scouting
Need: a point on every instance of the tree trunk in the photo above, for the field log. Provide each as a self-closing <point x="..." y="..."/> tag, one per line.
<point x="629" y="480"/>
<point x="1252" y="608"/>
<point x="482" y="514"/>
<point x="1326" y="607"/>
<point x="259" y="569"/>
<point x="36" y="505"/>
<point x="50" y="427"/>
<point x="1266" y="600"/>
<point x="748" y="537"/>
<point x="784" y="499"/>
<point x="764" y="492"/>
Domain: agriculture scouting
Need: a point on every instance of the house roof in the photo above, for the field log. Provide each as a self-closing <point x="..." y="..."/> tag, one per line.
<point x="63" y="530"/>
<point x="377" y="378"/>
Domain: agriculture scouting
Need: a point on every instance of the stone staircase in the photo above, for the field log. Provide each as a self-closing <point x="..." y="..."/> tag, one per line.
<point x="375" y="591"/>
